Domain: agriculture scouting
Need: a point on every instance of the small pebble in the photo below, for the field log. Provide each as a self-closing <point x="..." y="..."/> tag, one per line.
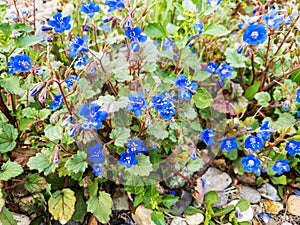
<point x="195" y="219"/>
<point x="293" y="205"/>
<point x="250" y="194"/>
<point x="273" y="207"/>
<point x="215" y="180"/>
<point x="178" y="221"/>
<point x="269" y="192"/>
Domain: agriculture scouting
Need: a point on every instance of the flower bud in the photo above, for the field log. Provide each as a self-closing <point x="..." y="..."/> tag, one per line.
<point x="43" y="95"/>
<point x="36" y="89"/>
<point x="68" y="120"/>
<point x="72" y="131"/>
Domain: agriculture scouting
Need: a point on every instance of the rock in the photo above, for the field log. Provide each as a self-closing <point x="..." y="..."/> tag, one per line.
<point x="184" y="201"/>
<point x="176" y="181"/>
<point x="28" y="202"/>
<point x="215" y="180"/>
<point x="120" y="202"/>
<point x="244" y="216"/>
<point x="195" y="219"/>
<point x="273" y="207"/>
<point x="293" y="205"/>
<point x="272" y="222"/>
<point x="178" y="221"/>
<point x="250" y="194"/>
<point x="142" y="216"/>
<point x="223" y="199"/>
<point x="269" y="192"/>
<point x="247" y="178"/>
<point x="22" y="219"/>
<point x="286" y="223"/>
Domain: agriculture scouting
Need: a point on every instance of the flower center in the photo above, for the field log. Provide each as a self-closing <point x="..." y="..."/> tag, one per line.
<point x="254" y="34"/>
<point x="251" y="163"/>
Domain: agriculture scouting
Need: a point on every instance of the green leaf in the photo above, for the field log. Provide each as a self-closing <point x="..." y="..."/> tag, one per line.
<point x="121" y="119"/>
<point x="8" y="135"/>
<point x="171" y="28"/>
<point x="6" y="217"/>
<point x="252" y="90"/>
<point x="53" y="132"/>
<point x="201" y="75"/>
<point x="189" y="5"/>
<point x="155" y="30"/>
<point x="224" y="211"/>
<point x="263" y="98"/>
<point x="211" y="198"/>
<point x="111" y="105"/>
<point x="35" y="183"/>
<point x="202" y="98"/>
<point x="62" y="205"/>
<point x="76" y="163"/>
<point x="29" y="112"/>
<point x="234" y="59"/>
<point x="195" y="165"/>
<point x="25" y="123"/>
<point x="216" y="30"/>
<point x="84" y="89"/>
<point x="279" y="180"/>
<point x="143" y="168"/>
<point x="158" y="218"/>
<point x="277" y="95"/>
<point x="100" y="207"/>
<point x="44" y="113"/>
<point x="169" y="200"/>
<point x="134" y="185"/>
<point x="120" y="135"/>
<point x="191" y="210"/>
<point x="11" y="84"/>
<point x="80" y="209"/>
<point x="243" y="205"/>
<point x="42" y="162"/>
<point x="26" y="41"/>
<point x="232" y="155"/>
<point x="158" y="131"/>
<point x="10" y="170"/>
<point x="285" y="121"/>
<point x="20" y="27"/>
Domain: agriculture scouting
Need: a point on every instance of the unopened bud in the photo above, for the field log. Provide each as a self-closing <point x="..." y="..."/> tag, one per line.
<point x="36" y="89"/>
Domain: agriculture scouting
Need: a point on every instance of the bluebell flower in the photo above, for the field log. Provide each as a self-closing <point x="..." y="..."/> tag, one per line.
<point x="193" y="154"/>
<point x="214" y="3"/>
<point x="36" y="89"/>
<point x="82" y="61"/>
<point x="281" y="166"/>
<point x="255" y="34"/>
<point x="211" y="68"/>
<point x="154" y="147"/>
<point x="21" y="63"/>
<point x="98" y="170"/>
<point x="55" y="157"/>
<point x="70" y="81"/>
<point x="168" y="45"/>
<point x="115" y="4"/>
<point x="207" y="136"/>
<point x="136" y="146"/>
<point x="57" y="102"/>
<point x="254" y="143"/>
<point x="250" y="163"/>
<point x="128" y="159"/>
<point x="228" y="144"/>
<point x="293" y="147"/>
<point x="265" y="217"/>
<point x="78" y="45"/>
<point x="60" y="23"/>
<point x="273" y="20"/>
<point x="135" y="34"/>
<point x="168" y="112"/>
<point x="298" y="95"/>
<point x="224" y="71"/>
<point x="265" y="131"/>
<point x="95" y="153"/>
<point x="240" y="49"/>
<point x="137" y="103"/>
<point x="90" y="8"/>
<point x="93" y="115"/>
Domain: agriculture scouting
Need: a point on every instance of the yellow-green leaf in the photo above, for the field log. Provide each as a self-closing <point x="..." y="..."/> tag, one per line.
<point x="101" y="206"/>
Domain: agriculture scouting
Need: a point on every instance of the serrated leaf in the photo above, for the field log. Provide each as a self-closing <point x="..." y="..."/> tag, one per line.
<point x="143" y="168"/>
<point x="10" y="170"/>
<point x="202" y="98"/>
<point x="6" y="217"/>
<point x="121" y="119"/>
<point x="44" y="113"/>
<point x="234" y="59"/>
<point x="7" y="138"/>
<point x="84" y="89"/>
<point x="195" y="165"/>
<point x="29" y="112"/>
<point x="155" y="30"/>
<point x="35" y="183"/>
<point x="158" y="218"/>
<point x="285" y="121"/>
<point x="158" y="131"/>
<point x="53" y="132"/>
<point x="120" y="135"/>
<point x="24" y="123"/>
<point x="110" y="104"/>
<point x="11" y="84"/>
<point x="134" y="185"/>
<point x="26" y="41"/>
<point x="101" y="206"/>
<point x="201" y="75"/>
<point x="76" y="163"/>
<point x="263" y="98"/>
<point x="216" y="30"/>
<point x="62" y="205"/>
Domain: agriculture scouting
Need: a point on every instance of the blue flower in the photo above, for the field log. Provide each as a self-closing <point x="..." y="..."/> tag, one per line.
<point x="293" y="147"/>
<point x="137" y="103"/>
<point x="72" y="131"/>
<point x="21" y="63"/>
<point x="193" y="154"/>
<point x="298" y="95"/>
<point x="93" y="115"/>
<point x="286" y="106"/>
<point x="224" y="71"/>
<point x="134" y="46"/>
<point x="67" y="121"/>
<point x="214" y="3"/>
<point x="159" y="102"/>
<point x="187" y="89"/>
<point x="211" y="68"/>
<point x="135" y="34"/>
<point x="168" y="112"/>
<point x="250" y="163"/>
<point x="254" y="143"/>
<point x="240" y="49"/>
<point x="265" y="217"/>
<point x="98" y="170"/>
<point x="57" y="101"/>
<point x="95" y="153"/>
<point x="70" y="81"/>
<point x="265" y="131"/>
<point x="115" y="4"/>
<point x="273" y="20"/>
<point x="46" y="28"/>
<point x="199" y="26"/>
<point x="255" y="34"/>
<point x="168" y="45"/>
<point x="181" y="81"/>
<point x="60" y="23"/>
<point x="228" y="144"/>
<point x="78" y="45"/>
<point x="281" y="166"/>
<point x="82" y="61"/>
<point x="136" y="146"/>
<point x="90" y="8"/>
<point x="128" y="159"/>
<point x="207" y="136"/>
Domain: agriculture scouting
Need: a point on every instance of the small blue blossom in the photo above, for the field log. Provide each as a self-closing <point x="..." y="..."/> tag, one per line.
<point x="154" y="147"/>
<point x="265" y="131"/>
<point x="21" y="63"/>
<point x="228" y="144"/>
<point x="263" y="169"/>
<point x="98" y="170"/>
<point x="254" y="143"/>
<point x="199" y="26"/>
<point x="60" y="23"/>
<point x="78" y="45"/>
<point x="224" y="71"/>
<point x="255" y="34"/>
<point x="134" y="46"/>
<point x="250" y="163"/>
<point x="193" y="154"/>
<point x="168" y="45"/>
<point x="298" y="95"/>
<point x="186" y="89"/>
<point x="57" y="102"/>
<point x="93" y="115"/>
<point x="159" y="102"/>
<point x="241" y="25"/>
<point x="240" y="49"/>
<point x="168" y="112"/>
<point x="115" y="4"/>
<point x="172" y="192"/>
<point x="214" y="3"/>
<point x="207" y="136"/>
<point x="286" y="106"/>
<point x="56" y="157"/>
<point x="128" y="159"/>
<point x="273" y="20"/>
<point x="293" y="147"/>
<point x="95" y="153"/>
<point x="281" y="166"/>
<point x="136" y="146"/>
<point x="72" y="131"/>
<point x="211" y="68"/>
<point x="181" y="81"/>
<point x="82" y="61"/>
<point x="297" y="192"/>
<point x="67" y="121"/>
<point x="70" y="81"/>
<point x="90" y="8"/>
<point x="46" y="28"/>
<point x="136" y="34"/>
<point x="137" y="103"/>
<point x="265" y="217"/>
